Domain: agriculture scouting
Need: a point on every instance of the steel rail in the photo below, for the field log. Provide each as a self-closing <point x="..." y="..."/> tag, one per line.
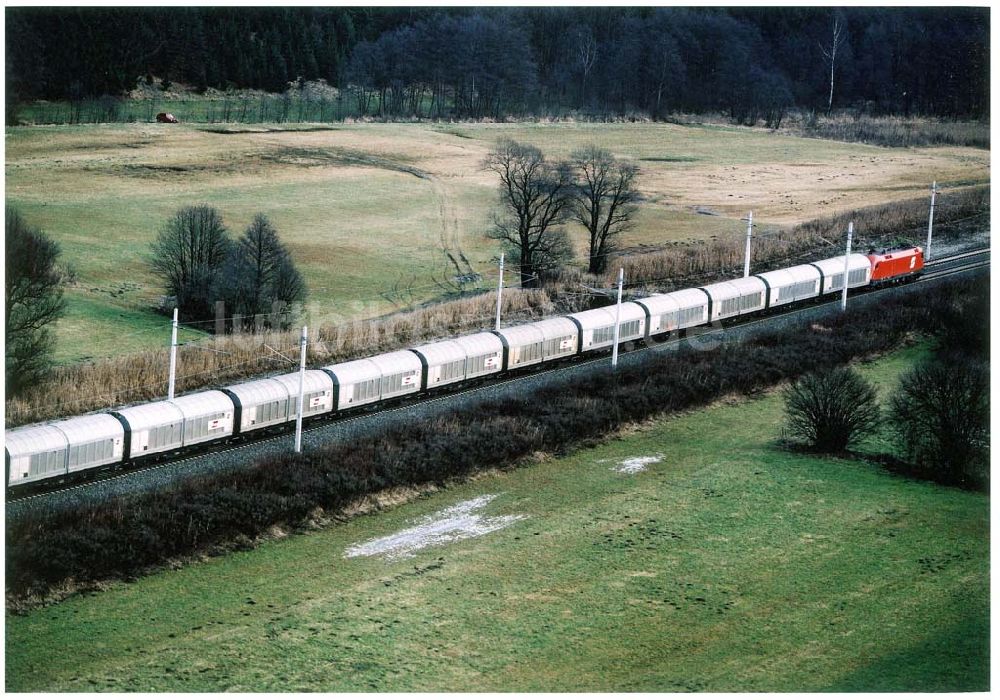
<point x="324" y="421"/>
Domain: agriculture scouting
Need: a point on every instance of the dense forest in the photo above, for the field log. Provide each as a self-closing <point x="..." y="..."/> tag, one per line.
<point x="751" y="63"/>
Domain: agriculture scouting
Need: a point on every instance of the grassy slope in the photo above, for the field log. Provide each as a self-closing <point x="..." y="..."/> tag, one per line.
<point x="358" y="220"/>
<point x="731" y="565"/>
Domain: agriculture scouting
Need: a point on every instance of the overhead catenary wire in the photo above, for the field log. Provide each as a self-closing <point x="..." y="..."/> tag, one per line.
<point x="803" y="255"/>
<point x="228" y="368"/>
<point x="190" y="324"/>
<point x="944" y="204"/>
<point x="160" y="383"/>
<point x="513" y="267"/>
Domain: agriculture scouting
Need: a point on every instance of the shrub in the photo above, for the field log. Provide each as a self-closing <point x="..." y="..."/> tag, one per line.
<point x="941" y="417"/>
<point x="965" y="324"/>
<point x="125" y="536"/>
<point x="831" y="409"/>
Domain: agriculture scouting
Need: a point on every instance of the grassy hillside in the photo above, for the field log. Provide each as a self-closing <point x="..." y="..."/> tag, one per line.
<point x="369" y="207"/>
<point x="728" y="565"/>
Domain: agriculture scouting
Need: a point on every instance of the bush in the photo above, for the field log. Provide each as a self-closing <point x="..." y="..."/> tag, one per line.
<point x="125" y="536"/>
<point x="831" y="409"/>
<point x="941" y="416"/>
<point x="965" y="325"/>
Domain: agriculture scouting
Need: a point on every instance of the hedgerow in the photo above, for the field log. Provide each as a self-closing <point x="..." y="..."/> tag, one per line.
<point x="127" y="535"/>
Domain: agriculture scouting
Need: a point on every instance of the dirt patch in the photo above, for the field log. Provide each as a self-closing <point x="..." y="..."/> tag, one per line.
<point x="459" y="522"/>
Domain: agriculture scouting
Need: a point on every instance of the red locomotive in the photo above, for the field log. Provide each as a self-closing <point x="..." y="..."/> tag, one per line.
<point x="895" y="266"/>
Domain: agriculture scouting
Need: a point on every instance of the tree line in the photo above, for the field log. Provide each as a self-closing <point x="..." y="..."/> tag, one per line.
<point x="753" y="63"/>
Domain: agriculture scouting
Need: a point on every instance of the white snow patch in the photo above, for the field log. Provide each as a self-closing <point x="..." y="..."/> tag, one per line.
<point x="634" y="465"/>
<point x="459" y="522"/>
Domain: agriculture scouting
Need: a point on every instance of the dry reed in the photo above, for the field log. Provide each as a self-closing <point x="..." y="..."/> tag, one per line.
<point x="142" y="376"/>
<point x="897" y="131"/>
<point x="885" y="225"/>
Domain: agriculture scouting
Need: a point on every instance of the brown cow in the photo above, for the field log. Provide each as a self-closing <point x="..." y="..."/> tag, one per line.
<point x="166" y="118"/>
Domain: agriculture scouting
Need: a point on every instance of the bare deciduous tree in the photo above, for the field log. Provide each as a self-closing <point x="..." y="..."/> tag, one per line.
<point x="261" y="277"/>
<point x="534" y="200"/>
<point x="34" y="300"/>
<point x="288" y="286"/>
<point x="665" y="69"/>
<point x="837" y="39"/>
<point x="189" y="253"/>
<point x="586" y="57"/>
<point x="604" y="200"/>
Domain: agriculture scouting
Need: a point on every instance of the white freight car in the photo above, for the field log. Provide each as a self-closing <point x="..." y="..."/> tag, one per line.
<point x="258" y="404"/>
<point x="736" y="297"/>
<point x="597" y="326"/>
<point x="676" y="310"/>
<point x="859" y="272"/>
<point x="791" y="284"/>
<point x="317" y="392"/>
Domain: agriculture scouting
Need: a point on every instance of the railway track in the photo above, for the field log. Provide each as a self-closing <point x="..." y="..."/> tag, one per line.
<point x="935" y="269"/>
<point x="953" y="264"/>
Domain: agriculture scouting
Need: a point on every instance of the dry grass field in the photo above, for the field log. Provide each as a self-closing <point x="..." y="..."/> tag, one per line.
<point x="369" y="207"/>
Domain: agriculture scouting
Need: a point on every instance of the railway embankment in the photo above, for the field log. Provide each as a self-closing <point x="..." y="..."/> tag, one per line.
<point x="122" y="537"/>
<point x="71" y="548"/>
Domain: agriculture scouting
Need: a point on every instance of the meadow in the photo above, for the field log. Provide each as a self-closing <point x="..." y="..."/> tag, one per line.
<point x="729" y="564"/>
<point x="372" y="211"/>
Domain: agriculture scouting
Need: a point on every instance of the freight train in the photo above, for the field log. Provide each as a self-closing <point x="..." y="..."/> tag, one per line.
<point x="126" y="436"/>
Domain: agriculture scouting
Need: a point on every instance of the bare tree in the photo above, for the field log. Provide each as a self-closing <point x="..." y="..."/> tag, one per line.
<point x="190" y="253"/>
<point x="260" y="273"/>
<point x="664" y="70"/>
<point x="604" y="200"/>
<point x="534" y="199"/>
<point x="837" y="39"/>
<point x="585" y="55"/>
<point x="34" y="301"/>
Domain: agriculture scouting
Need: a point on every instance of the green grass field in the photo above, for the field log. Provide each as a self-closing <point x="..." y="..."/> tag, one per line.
<point x="731" y="565"/>
<point x="368" y="207"/>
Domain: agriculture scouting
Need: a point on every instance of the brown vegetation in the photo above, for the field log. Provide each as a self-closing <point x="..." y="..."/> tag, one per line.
<point x="142" y="376"/>
<point x="848" y="126"/>
<point x="128" y="535"/>
<point x="899" y="131"/>
<point x="898" y="223"/>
